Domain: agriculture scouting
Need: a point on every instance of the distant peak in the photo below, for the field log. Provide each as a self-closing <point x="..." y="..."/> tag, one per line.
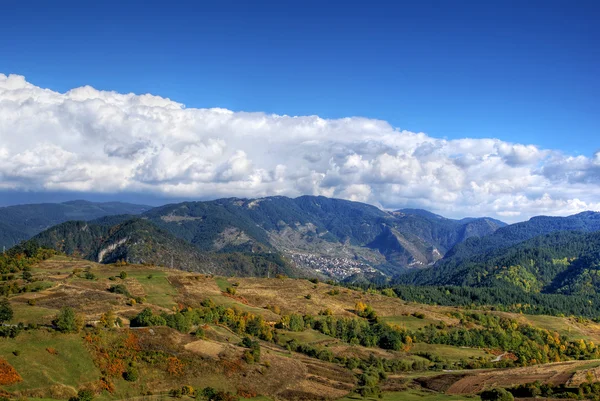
<point x="420" y="212"/>
<point x="77" y="202"/>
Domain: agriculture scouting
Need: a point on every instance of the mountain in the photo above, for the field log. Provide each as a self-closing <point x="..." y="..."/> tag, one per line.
<point x="315" y="234"/>
<point x="566" y="262"/>
<point x="136" y="240"/>
<point x="21" y="222"/>
<point x="333" y="236"/>
<point x="519" y="232"/>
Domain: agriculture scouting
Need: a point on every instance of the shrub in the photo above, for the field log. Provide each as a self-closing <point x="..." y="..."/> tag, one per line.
<point x="83" y="395"/>
<point x="496" y="394"/>
<point x="248" y="357"/>
<point x="6" y="311"/>
<point x="187" y="390"/>
<point x="231" y="290"/>
<point x="308" y="296"/>
<point x="8" y="374"/>
<point x="123" y="275"/>
<point x="147" y="318"/>
<point x="119" y="289"/>
<point x="131" y="374"/>
<point x="67" y="321"/>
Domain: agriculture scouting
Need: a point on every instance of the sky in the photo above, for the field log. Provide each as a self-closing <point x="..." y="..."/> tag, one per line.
<point x="460" y="107"/>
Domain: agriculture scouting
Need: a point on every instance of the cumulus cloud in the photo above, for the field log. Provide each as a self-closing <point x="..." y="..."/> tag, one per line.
<point x="107" y="142"/>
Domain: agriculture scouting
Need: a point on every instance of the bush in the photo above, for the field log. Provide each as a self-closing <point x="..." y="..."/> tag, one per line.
<point x="120" y="289"/>
<point x="146" y="318"/>
<point x="131" y="374"/>
<point x="187" y="390"/>
<point x="253" y="354"/>
<point x="67" y="321"/>
<point x="83" y="395"/>
<point x="496" y="394"/>
<point x="6" y="311"/>
<point x="200" y="333"/>
<point x="123" y="275"/>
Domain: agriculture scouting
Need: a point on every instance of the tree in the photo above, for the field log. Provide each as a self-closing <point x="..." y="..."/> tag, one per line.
<point x="67" y="321"/>
<point x="108" y="319"/>
<point x="496" y="394"/>
<point x="6" y="311"/>
<point x="83" y="395"/>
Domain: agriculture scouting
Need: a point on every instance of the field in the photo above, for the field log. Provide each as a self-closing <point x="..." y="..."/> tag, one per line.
<point x="414" y="395"/>
<point x="71" y="364"/>
<point x="55" y="365"/>
<point x="409" y="322"/>
<point x="449" y="352"/>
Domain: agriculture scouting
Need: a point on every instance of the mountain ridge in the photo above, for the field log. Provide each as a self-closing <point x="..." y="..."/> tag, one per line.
<point x="21" y="222"/>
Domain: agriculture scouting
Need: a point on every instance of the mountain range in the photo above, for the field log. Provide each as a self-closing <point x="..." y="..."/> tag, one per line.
<point x="315" y="235"/>
<point x="311" y="234"/>
<point x="21" y="222"/>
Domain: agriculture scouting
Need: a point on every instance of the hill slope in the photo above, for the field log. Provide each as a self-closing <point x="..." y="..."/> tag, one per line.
<point x="560" y="262"/>
<point x="113" y="239"/>
<point x="21" y="222"/>
<point x="515" y="233"/>
<point x="118" y="331"/>
<point x="333" y="236"/>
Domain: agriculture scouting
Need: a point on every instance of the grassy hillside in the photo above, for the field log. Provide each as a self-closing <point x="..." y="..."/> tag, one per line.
<point x="259" y="338"/>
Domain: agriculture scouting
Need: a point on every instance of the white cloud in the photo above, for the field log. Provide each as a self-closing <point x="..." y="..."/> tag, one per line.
<point x="98" y="141"/>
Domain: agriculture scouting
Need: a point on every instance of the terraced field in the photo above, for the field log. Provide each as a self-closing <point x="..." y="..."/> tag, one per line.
<point x="55" y="365"/>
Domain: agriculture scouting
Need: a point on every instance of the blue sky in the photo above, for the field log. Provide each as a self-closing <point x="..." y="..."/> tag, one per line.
<point x="316" y="97"/>
<point x="524" y="72"/>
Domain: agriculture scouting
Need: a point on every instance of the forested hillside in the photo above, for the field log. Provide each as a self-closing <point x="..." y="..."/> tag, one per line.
<point x="319" y="232"/>
<point x="21" y="222"/>
<point x="119" y="240"/>
<point x="515" y="233"/>
<point x="561" y="262"/>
